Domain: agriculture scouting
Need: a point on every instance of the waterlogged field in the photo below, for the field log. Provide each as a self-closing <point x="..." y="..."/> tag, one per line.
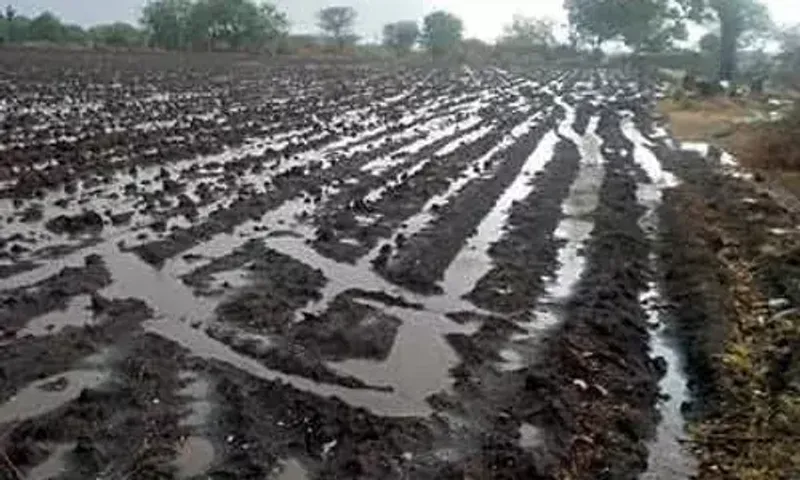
<point x="217" y="268"/>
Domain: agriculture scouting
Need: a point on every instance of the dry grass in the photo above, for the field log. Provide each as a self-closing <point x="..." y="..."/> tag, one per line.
<point x="754" y="437"/>
<point x="773" y="149"/>
<point x="774" y="146"/>
<point x="701" y="120"/>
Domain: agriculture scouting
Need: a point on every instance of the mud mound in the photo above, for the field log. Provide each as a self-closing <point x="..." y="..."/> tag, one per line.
<point x="87" y="222"/>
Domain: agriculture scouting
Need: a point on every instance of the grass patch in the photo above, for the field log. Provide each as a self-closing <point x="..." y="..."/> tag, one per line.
<point x="771" y="148"/>
<point x="756" y="434"/>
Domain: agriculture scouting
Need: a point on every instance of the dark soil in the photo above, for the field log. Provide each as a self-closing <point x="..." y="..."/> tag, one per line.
<point x="526" y="255"/>
<point x="212" y="164"/>
<point x="22" y="304"/>
<point x="729" y="255"/>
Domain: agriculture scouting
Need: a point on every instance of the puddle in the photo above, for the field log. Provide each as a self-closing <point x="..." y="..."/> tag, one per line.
<point x="194" y="457"/>
<point x="341" y="276"/>
<point x="44" y="396"/>
<point x="421" y="220"/>
<point x="77" y="314"/>
<point x="463" y="140"/>
<point x="292" y="470"/>
<point x="54" y="466"/>
<point x="474" y="261"/>
<point x="168" y="296"/>
<point x="668" y="457"/>
<point x="442" y="132"/>
<point x="645" y="157"/>
<point x="379" y="192"/>
<point x="575" y="232"/>
<point x="285" y="217"/>
<point x="530" y="436"/>
<point x="571" y="261"/>
<point x="420" y="361"/>
<point x="726" y="159"/>
<point x="582" y="201"/>
<point x="512" y="360"/>
<point x="199" y="406"/>
<point x="201" y="345"/>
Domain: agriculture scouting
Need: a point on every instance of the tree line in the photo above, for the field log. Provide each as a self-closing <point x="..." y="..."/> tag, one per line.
<point x="648" y="26"/>
<point x="645" y="26"/>
<point x="46" y="27"/>
<point x="226" y="25"/>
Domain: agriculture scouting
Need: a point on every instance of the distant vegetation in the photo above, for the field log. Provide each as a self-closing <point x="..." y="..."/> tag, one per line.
<point x="46" y="27"/>
<point x="653" y="30"/>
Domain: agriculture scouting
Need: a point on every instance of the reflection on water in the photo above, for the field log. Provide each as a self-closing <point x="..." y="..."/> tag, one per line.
<point x="195" y="456"/>
<point x="44" y="396"/>
<point x="292" y="470"/>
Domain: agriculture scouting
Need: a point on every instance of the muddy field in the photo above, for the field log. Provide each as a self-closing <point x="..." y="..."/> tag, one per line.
<point x="212" y="268"/>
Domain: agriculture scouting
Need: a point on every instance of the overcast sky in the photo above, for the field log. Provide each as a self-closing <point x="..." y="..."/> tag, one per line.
<point x="483" y="18"/>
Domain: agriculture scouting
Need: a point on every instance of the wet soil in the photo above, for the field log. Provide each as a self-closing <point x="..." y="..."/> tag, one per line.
<point x="729" y="256"/>
<point x="217" y="267"/>
<point x="24" y="303"/>
<point x="526" y="255"/>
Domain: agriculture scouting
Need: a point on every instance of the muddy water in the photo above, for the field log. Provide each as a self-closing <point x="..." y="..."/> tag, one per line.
<point x="668" y="457"/>
<point x="420" y="360"/>
<point x="169" y="297"/>
<point x="44" y="396"/>
<point x="474" y="261"/>
<point x="468" y="138"/>
<point x="77" y="314"/>
<point x="195" y="454"/>
<point x="574" y="229"/>
<point x="54" y="466"/>
<point x="436" y="129"/>
<point x="197" y="390"/>
<point x="341" y="276"/>
<point x="284" y="218"/>
<point x="177" y="309"/>
<point x="530" y="436"/>
<point x="292" y="470"/>
<point x="194" y="457"/>
<point x="202" y="346"/>
<point x="425" y="217"/>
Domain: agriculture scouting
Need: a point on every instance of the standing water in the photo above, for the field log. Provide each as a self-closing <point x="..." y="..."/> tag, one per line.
<point x="668" y="458"/>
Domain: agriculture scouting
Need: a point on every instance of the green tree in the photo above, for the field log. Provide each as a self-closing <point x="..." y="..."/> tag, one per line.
<point x="236" y="24"/>
<point x="740" y="23"/>
<point x="592" y="21"/>
<point x="3" y="28"/>
<point x="118" y="34"/>
<point x="401" y="36"/>
<point x="46" y="28"/>
<point x="526" y="33"/>
<point x="442" y="33"/>
<point x="272" y="27"/>
<point x="75" y="34"/>
<point x="166" y="23"/>
<point x="653" y="25"/>
<point x="789" y="56"/>
<point x="337" y="23"/>
<point x="644" y="25"/>
<point x="9" y="23"/>
<point x="709" y="44"/>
